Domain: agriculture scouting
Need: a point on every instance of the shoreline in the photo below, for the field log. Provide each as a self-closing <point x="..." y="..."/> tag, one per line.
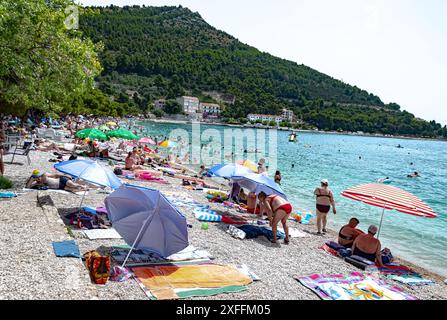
<point x="372" y="135"/>
<point x="30" y="229"/>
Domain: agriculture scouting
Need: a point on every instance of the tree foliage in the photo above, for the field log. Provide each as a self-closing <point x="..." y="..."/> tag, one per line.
<point x="44" y="64"/>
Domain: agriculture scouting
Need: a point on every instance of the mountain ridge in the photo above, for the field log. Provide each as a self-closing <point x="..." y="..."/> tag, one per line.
<point x="163" y="52"/>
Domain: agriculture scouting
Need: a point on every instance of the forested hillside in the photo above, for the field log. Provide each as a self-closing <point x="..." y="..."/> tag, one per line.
<point x="155" y="52"/>
<point x="141" y="54"/>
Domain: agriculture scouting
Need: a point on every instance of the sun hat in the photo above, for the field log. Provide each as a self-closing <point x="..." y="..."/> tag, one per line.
<point x="37" y="174"/>
<point x="325" y="181"/>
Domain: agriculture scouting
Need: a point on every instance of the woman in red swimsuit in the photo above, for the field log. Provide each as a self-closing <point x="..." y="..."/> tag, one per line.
<point x="278" y="209"/>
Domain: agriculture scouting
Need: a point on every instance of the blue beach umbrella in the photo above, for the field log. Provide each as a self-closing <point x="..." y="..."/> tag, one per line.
<point x="147" y="220"/>
<point x="89" y="171"/>
<point x="259" y="183"/>
<point x="228" y="170"/>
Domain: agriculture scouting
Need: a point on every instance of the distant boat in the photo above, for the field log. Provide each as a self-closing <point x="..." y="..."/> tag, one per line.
<point x="293" y="137"/>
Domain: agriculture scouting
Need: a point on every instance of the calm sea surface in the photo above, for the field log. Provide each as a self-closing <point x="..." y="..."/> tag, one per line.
<point x="336" y="158"/>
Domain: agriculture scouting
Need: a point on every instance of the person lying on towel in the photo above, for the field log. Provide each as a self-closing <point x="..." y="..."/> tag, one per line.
<point x="53" y="181"/>
<point x="368" y="247"/>
<point x="349" y="233"/>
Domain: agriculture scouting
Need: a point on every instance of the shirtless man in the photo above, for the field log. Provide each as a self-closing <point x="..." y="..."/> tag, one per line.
<point x="54" y="181"/>
<point x="131" y="163"/>
<point x="367" y="246"/>
<point x="349" y="233"/>
<point x="278" y="209"/>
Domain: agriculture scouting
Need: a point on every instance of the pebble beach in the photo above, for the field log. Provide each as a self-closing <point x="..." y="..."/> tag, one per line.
<point x="29" y="269"/>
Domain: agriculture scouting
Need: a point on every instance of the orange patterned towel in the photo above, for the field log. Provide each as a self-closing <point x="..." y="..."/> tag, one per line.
<point x="163" y="280"/>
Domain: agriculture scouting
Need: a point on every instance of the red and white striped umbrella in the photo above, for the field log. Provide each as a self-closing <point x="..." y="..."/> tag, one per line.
<point x="390" y="198"/>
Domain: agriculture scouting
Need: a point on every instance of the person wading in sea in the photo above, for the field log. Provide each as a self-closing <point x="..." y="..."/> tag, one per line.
<point x="325" y="199"/>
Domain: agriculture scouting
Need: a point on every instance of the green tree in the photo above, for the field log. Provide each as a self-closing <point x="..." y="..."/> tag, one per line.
<point x="43" y="63"/>
<point x="173" y="107"/>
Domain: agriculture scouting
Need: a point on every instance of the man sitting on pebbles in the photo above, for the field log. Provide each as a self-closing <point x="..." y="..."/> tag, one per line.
<point x="53" y="181"/>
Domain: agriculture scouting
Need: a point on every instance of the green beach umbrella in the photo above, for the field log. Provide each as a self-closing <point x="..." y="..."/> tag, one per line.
<point x="124" y="134"/>
<point x="92" y="134"/>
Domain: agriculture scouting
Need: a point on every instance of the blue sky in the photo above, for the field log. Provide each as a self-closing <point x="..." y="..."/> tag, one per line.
<point x="395" y="49"/>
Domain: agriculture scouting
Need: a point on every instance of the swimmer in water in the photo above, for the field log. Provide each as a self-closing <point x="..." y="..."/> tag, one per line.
<point x="414" y="175"/>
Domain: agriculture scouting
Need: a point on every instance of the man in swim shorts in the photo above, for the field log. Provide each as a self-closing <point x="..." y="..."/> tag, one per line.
<point x="278" y="209"/>
<point x="53" y="181"/>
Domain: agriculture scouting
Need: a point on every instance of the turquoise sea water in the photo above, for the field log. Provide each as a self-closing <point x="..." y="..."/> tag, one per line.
<point x="336" y="157"/>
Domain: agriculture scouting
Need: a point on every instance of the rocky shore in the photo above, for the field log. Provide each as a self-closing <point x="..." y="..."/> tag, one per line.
<point x="29" y="269"/>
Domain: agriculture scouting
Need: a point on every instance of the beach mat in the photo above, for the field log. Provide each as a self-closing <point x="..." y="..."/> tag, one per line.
<point x="176" y="281"/>
<point x="140" y="257"/>
<point x="411" y="280"/>
<point x="95" y="234"/>
<point x="79" y="193"/>
<point x="355" y="286"/>
<point x="363" y="265"/>
<point x="252" y="231"/>
<point x="7" y="195"/>
<point x="66" y="249"/>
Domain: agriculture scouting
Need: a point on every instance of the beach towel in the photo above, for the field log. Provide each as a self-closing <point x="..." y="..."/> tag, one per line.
<point x="411" y="280"/>
<point x="190" y="253"/>
<point x="355" y="286"/>
<point x="136" y="258"/>
<point x="231" y="219"/>
<point x="329" y="250"/>
<point x="8" y="195"/>
<point x="66" y="249"/>
<point x="79" y="193"/>
<point x="202" y="214"/>
<point x="95" y="234"/>
<point x="186" y="202"/>
<point x="164" y="281"/>
<point x="293" y="233"/>
<point x="249" y="273"/>
<point x="252" y="231"/>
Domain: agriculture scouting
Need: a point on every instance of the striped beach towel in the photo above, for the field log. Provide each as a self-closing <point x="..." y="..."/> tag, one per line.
<point x="355" y="286"/>
<point x="208" y="215"/>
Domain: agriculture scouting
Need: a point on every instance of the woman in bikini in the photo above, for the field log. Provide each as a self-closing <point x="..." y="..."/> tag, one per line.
<point x="278" y="209"/>
<point x="325" y="199"/>
<point x="349" y="233"/>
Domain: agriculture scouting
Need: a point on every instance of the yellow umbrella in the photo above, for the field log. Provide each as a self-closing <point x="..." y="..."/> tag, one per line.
<point x="248" y="164"/>
<point x="167" y="144"/>
<point x="111" y="124"/>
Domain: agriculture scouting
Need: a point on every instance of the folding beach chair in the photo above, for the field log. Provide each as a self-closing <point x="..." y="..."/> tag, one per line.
<point x="19" y="150"/>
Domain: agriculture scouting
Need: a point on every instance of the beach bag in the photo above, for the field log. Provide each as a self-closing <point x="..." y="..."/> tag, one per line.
<point x="98" y="266"/>
<point x="118" y="172"/>
<point x="87" y="221"/>
<point x="120" y="274"/>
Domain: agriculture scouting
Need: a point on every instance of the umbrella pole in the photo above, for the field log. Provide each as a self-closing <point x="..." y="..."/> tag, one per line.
<point x="133" y="244"/>
<point x="380" y="226"/>
<point x="82" y="201"/>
